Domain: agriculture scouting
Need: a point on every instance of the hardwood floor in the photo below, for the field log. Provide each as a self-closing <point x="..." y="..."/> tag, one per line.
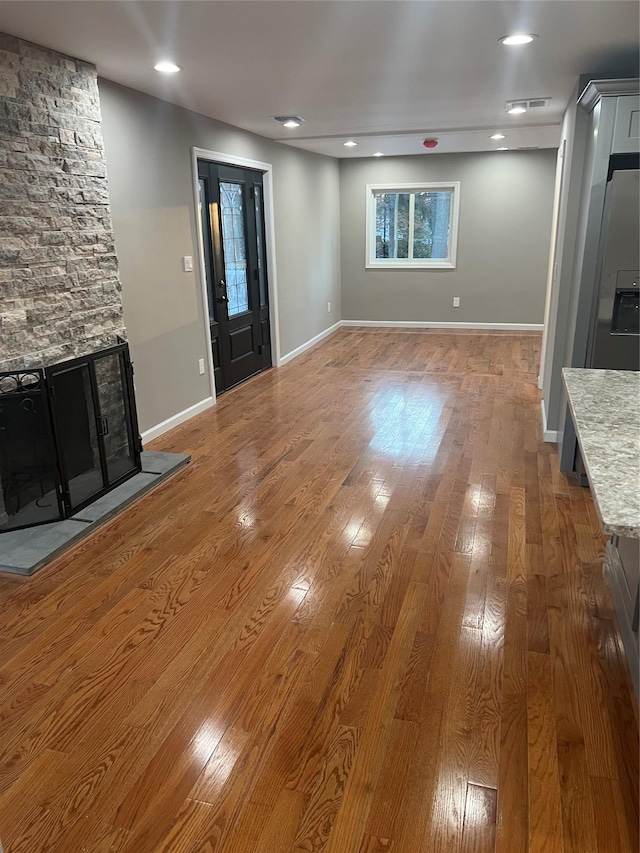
<point x="369" y="617"/>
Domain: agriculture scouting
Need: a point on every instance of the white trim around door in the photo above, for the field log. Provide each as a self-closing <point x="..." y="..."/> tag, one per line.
<point x="269" y="226"/>
<point x="553" y="250"/>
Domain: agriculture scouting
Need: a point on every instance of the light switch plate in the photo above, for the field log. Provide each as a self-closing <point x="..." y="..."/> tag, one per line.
<point x="187" y="263"/>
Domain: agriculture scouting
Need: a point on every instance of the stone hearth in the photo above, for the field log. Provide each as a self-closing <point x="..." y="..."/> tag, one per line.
<point x="23" y="552"/>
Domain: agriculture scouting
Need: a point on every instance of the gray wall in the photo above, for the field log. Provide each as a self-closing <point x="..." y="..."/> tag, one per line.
<point x="148" y="146"/>
<point x="504" y="231"/>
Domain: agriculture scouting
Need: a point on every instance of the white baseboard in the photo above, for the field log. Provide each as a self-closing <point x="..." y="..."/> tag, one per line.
<point x="551" y="435"/>
<point x="308" y="344"/>
<point x="428" y="324"/>
<point x="176" y="420"/>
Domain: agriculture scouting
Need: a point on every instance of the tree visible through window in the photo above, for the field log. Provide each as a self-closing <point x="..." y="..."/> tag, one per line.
<point x="412" y="227"/>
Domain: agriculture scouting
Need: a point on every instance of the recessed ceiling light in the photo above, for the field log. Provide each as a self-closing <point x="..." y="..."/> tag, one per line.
<point x="350" y="144"/>
<point x="502" y="148"/>
<point x="378" y="154"/>
<point x="518" y="38"/>
<point x="498" y="136"/>
<point x="166" y="67"/>
<point x="516" y="111"/>
<point x="289" y="121"/>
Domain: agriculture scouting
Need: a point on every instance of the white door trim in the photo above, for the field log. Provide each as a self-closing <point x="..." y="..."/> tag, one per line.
<point x="553" y="251"/>
<point x="269" y="226"/>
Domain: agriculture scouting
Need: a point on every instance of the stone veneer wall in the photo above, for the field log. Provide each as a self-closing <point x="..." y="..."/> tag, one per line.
<point x="59" y="286"/>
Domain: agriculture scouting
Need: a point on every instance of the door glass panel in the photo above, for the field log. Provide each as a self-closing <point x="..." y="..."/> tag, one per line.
<point x="262" y="281"/>
<point x="234" y="247"/>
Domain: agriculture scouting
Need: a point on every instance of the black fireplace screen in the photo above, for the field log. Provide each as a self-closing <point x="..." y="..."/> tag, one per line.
<point x="68" y="434"/>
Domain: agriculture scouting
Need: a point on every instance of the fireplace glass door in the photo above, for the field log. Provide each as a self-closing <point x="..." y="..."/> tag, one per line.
<point x="77" y="432"/>
<point x="94" y="424"/>
<point x="115" y="418"/>
<point x="68" y="434"/>
<point x="29" y="480"/>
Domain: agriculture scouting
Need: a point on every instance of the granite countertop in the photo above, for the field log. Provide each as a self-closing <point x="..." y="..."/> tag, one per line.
<point x="605" y="406"/>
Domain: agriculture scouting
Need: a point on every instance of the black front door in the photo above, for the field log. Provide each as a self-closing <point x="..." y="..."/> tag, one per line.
<point x="231" y="202"/>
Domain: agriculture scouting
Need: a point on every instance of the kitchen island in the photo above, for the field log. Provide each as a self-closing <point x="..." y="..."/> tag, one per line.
<point x="605" y="408"/>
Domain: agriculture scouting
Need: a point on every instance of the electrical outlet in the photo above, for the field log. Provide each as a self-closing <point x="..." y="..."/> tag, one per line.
<point x="456" y="301"/>
<point x="201" y="365"/>
<point x="328" y="307"/>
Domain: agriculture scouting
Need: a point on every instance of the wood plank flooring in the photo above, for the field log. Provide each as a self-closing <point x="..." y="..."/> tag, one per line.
<point x="369" y="617"/>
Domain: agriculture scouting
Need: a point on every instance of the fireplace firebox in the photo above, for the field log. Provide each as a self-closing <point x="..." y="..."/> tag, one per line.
<point x="68" y="435"/>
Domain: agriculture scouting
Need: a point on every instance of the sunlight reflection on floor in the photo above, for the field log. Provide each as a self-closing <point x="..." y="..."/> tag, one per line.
<point x="404" y="422"/>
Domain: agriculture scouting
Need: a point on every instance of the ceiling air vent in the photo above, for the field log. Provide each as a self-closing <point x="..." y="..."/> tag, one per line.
<point x="531" y="104"/>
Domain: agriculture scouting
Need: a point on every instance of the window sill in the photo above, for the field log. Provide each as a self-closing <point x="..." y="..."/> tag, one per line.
<point x="409" y="265"/>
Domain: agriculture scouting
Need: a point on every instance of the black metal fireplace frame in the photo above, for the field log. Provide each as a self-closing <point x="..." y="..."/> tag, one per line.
<point x="42" y="380"/>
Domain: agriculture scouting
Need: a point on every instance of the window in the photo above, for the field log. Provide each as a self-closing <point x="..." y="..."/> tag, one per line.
<point x="412" y="226"/>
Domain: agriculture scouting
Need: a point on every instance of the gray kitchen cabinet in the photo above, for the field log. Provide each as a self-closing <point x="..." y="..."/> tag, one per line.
<point x="626" y="130"/>
<point x="613" y="110"/>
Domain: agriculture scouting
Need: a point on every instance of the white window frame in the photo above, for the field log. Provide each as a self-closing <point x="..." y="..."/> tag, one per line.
<point x="449" y="263"/>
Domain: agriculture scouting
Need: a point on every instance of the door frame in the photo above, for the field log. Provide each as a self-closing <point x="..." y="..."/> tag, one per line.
<point x="553" y="253"/>
<point x="270" y="245"/>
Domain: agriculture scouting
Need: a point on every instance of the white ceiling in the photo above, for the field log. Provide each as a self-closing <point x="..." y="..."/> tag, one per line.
<point x="387" y="73"/>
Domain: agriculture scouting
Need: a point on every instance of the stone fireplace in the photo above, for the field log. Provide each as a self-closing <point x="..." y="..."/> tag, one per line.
<point x="63" y="350"/>
<point x="61" y="295"/>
